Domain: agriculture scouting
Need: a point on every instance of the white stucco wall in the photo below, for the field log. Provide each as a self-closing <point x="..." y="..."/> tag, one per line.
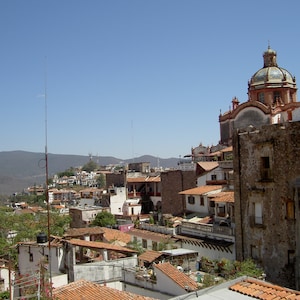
<point x="105" y="270"/>
<point x="117" y="200"/>
<point x="201" y="180"/>
<point x="167" y="285"/>
<point x="39" y="253"/>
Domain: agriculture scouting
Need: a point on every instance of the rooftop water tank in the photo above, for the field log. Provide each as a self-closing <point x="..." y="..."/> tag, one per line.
<point x="41" y="238"/>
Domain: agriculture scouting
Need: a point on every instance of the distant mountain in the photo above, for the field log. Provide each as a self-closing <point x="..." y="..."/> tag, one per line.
<point x="20" y="169"/>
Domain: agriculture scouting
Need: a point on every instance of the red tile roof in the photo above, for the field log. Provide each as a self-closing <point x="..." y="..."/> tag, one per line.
<point x="178" y="277"/>
<point x="150" y="256"/>
<point x="75" y="232"/>
<point x="111" y="235"/>
<point x="208" y="165"/>
<point x="83" y="289"/>
<point x="201" y="190"/>
<point x="223" y="197"/>
<point x="263" y="290"/>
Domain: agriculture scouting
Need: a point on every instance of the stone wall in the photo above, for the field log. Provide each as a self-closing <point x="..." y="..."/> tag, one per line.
<point x="266" y="168"/>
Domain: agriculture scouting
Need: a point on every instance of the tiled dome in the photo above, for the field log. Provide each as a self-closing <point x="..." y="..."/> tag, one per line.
<point x="271" y="74"/>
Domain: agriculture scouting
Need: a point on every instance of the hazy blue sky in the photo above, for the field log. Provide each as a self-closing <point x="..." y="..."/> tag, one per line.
<point x="128" y="78"/>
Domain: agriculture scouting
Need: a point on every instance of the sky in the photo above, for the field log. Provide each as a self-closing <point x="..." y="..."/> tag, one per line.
<point x="127" y="78"/>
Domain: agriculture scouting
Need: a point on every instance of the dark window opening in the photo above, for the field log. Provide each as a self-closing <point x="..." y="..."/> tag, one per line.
<point x="191" y="200"/>
<point x="265" y="168"/>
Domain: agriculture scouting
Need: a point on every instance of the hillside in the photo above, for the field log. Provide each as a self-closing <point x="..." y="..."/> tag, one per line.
<point x="20" y="169"/>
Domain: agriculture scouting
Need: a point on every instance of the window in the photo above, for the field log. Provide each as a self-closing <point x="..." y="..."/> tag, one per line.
<point x="291" y="257"/>
<point x="213" y="177"/>
<point x="144" y="243"/>
<point x="191" y="200"/>
<point x="290" y="210"/>
<point x="221" y="210"/>
<point x="276" y="97"/>
<point x="201" y="200"/>
<point x="261" y="97"/>
<point x="265" y="168"/>
<point x="154" y="246"/>
<point x="254" y="252"/>
<point x="258" y="213"/>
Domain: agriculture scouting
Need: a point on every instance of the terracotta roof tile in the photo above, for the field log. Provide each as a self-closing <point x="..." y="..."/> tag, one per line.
<point x="228" y="149"/>
<point x="208" y="165"/>
<point x="180" y="278"/>
<point x="223" y="197"/>
<point x="111" y="235"/>
<point x="263" y="290"/>
<point x="83" y="289"/>
<point x="75" y="232"/>
<point x="201" y="190"/>
<point x="150" y="256"/>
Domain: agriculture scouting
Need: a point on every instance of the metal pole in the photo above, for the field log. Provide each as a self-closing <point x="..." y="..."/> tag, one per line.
<point x="47" y="187"/>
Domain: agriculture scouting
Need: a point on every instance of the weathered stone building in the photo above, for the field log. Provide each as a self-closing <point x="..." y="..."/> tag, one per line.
<point x="267" y="177"/>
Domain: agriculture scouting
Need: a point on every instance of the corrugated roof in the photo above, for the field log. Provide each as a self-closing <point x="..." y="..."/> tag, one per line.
<point x="83" y="289"/>
<point x="99" y="245"/>
<point x="263" y="290"/>
<point x="178" y="277"/>
<point x="144" y="179"/>
<point x="223" y="197"/>
<point x="201" y="190"/>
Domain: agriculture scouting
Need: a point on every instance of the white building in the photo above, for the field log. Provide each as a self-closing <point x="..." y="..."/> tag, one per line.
<point x="196" y="199"/>
<point x="118" y="196"/>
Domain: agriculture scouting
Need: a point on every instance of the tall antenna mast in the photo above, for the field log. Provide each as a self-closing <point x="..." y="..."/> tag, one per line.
<point x="47" y="186"/>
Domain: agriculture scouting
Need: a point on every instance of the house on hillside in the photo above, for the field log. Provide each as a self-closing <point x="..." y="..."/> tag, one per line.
<point x="151" y="240"/>
<point x="197" y="199"/>
<point x="209" y="228"/>
<point x="72" y="259"/>
<point x="82" y="216"/>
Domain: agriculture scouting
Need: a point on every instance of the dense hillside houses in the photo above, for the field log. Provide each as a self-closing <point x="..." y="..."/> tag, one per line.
<point x="176" y="230"/>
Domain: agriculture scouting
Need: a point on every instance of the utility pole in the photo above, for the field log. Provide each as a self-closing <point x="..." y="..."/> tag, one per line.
<point x="47" y="186"/>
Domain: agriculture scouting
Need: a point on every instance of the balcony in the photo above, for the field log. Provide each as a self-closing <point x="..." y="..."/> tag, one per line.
<point x="206" y="230"/>
<point x="226" y="164"/>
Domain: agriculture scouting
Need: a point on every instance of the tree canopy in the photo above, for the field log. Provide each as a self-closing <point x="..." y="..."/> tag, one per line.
<point x="90" y="166"/>
<point x="104" y="219"/>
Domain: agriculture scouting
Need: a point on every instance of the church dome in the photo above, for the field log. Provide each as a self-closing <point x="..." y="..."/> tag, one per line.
<point x="271" y="74"/>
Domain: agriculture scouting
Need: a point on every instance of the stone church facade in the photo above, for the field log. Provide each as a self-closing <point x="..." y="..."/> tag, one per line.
<point x="265" y="134"/>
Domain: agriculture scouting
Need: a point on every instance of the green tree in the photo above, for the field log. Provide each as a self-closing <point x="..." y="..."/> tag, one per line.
<point x="90" y="166"/>
<point x="137" y="246"/>
<point x="104" y="219"/>
<point x="247" y="267"/>
<point x="69" y="172"/>
<point x="101" y="181"/>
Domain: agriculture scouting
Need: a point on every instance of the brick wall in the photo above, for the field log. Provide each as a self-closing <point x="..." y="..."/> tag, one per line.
<point x="173" y="182"/>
